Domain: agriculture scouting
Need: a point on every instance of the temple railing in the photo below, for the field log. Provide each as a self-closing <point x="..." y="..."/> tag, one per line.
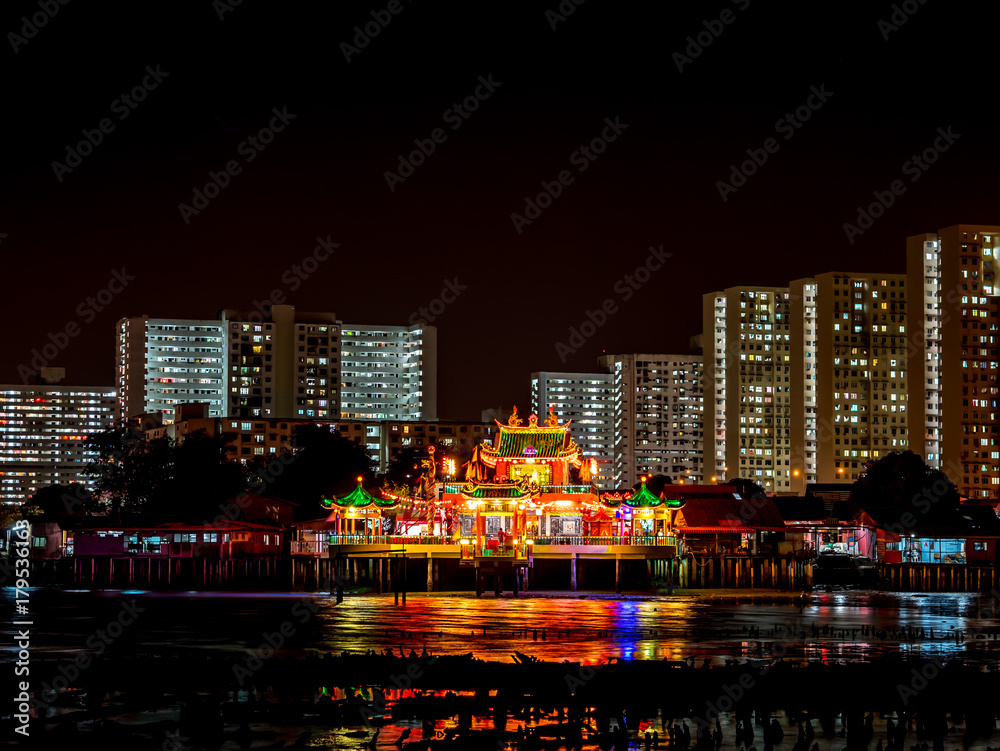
<point x="389" y="540"/>
<point x="644" y="540"/>
<point x="454" y="488"/>
<point x="322" y="547"/>
<point x="518" y="552"/>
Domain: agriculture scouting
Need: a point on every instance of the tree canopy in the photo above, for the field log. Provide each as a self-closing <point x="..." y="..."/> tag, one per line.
<point x="900" y="483"/>
<point x="323" y="464"/>
<point x="130" y="472"/>
<point x="190" y="480"/>
<point x="54" y="501"/>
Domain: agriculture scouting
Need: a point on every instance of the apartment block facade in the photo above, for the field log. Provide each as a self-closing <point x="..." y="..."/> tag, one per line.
<point x="285" y="364"/>
<point x="588" y="400"/>
<point x="43" y="431"/>
<point x="849" y="374"/>
<point x="163" y="362"/>
<point x="388" y="372"/>
<point x="747" y="380"/>
<point x="953" y="357"/>
<point x="659" y="419"/>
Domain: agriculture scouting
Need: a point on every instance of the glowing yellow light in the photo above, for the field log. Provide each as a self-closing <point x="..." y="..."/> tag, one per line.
<point x="530" y="542"/>
<point x="359" y="478"/>
<point x="714" y="479"/>
<point x="463" y="542"/>
<point x="643" y="478"/>
<point x="795" y="472"/>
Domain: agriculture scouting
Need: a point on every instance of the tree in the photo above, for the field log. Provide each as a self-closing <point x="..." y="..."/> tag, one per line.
<point x="54" y="501"/>
<point x="902" y="483"/>
<point x="405" y="467"/>
<point x="130" y="471"/>
<point x="202" y="477"/>
<point x="323" y="464"/>
<point x="10" y="513"/>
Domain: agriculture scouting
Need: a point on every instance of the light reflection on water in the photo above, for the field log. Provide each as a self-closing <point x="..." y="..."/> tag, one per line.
<point x="589" y="629"/>
<point x="593" y="630"/>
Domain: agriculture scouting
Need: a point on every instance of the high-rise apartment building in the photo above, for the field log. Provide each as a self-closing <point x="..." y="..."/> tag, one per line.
<point x="286" y="365"/>
<point x="388" y="372"/>
<point x="747" y="385"/>
<point x="848" y="374"/>
<point x="953" y="354"/>
<point x="283" y="364"/>
<point x="658" y="416"/>
<point x="163" y="362"/>
<point x="43" y="429"/>
<point x="588" y="400"/>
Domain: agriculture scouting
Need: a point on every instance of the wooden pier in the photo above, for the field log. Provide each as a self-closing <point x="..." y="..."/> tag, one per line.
<point x="937" y="577"/>
<point x="440" y="567"/>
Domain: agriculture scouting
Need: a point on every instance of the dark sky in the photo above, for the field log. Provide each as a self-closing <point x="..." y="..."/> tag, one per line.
<point x="323" y="175"/>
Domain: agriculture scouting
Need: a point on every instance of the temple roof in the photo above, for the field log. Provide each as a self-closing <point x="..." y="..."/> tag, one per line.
<point x="533" y="442"/>
<point x="503" y="491"/>
<point x="641" y="498"/>
<point x="358" y="498"/>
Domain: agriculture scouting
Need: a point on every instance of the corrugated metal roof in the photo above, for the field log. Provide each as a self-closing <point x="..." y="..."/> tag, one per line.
<point x="729" y="515"/>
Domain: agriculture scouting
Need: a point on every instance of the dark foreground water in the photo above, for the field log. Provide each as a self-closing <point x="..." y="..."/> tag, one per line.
<point x="818" y="627"/>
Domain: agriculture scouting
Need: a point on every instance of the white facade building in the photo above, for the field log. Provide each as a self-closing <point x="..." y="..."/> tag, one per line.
<point x="163" y="362"/>
<point x="658" y="416"/>
<point x="388" y="372"/>
<point x="42" y="433"/>
<point x="746" y="336"/>
<point x="588" y="400"/>
<point x="286" y="364"/>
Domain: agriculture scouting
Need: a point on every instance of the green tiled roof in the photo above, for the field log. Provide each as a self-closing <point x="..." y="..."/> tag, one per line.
<point x="546" y="443"/>
<point x="642" y="498"/>
<point x="358" y="498"/>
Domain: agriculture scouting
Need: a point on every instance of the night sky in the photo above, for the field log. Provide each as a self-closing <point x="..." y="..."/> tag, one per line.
<point x="63" y="237"/>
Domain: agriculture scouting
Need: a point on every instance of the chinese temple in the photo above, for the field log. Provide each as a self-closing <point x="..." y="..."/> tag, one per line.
<point x="526" y="500"/>
<point x="531" y="484"/>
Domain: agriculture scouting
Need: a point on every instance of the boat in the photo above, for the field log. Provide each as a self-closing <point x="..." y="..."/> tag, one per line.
<point x="844" y="569"/>
<point x="836" y="568"/>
